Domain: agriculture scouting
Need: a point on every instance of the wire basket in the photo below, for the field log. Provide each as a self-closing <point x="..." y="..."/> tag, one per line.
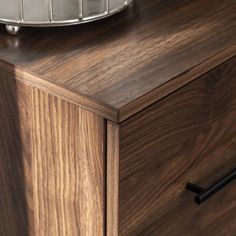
<point x="41" y="13"/>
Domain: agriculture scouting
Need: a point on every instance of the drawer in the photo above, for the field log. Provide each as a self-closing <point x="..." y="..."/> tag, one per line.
<point x="189" y="136"/>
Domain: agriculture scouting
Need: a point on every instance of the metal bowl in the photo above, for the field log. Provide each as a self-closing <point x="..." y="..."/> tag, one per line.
<point x="41" y="13"/>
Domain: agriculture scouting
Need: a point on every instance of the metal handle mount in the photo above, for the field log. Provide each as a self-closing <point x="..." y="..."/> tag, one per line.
<point x="204" y="194"/>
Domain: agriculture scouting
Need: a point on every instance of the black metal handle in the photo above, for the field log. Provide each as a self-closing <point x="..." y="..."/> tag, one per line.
<point x="204" y="194"/>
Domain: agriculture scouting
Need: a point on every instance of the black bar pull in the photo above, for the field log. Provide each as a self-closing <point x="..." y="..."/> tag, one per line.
<point x="204" y="194"/>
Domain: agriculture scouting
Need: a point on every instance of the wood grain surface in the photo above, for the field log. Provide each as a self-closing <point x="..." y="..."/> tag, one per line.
<point x="113" y="155"/>
<point x="68" y="168"/>
<point x="127" y="62"/>
<point x="16" y="195"/>
<point x="52" y="169"/>
<point x="188" y="136"/>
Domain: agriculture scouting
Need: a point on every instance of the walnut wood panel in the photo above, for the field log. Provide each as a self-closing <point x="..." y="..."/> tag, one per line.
<point x="121" y="63"/>
<point x="113" y="135"/>
<point x="52" y="170"/>
<point x="188" y="136"/>
<point x="16" y="198"/>
<point x="68" y="167"/>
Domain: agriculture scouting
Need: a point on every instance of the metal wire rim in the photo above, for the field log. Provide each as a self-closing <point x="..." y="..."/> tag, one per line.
<point x="80" y="20"/>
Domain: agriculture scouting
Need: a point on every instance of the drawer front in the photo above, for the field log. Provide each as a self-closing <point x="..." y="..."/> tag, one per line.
<point x="188" y="136"/>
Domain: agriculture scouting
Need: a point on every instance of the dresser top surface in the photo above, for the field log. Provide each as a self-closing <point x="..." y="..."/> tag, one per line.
<point x="126" y="62"/>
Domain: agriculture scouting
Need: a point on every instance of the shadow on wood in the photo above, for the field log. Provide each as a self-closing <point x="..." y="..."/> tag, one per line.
<point x="14" y="161"/>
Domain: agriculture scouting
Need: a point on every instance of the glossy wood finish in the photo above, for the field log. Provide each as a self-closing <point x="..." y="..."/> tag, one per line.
<point x="188" y="136"/>
<point x="52" y="170"/>
<point x="123" y="64"/>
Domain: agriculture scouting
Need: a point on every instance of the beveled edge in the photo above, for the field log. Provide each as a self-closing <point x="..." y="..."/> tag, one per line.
<point x="36" y="81"/>
<point x="175" y="83"/>
<point x="118" y="115"/>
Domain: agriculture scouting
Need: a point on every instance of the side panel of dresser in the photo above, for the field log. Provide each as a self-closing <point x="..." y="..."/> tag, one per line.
<point x="16" y="199"/>
<point x="188" y="136"/>
<point x="51" y="164"/>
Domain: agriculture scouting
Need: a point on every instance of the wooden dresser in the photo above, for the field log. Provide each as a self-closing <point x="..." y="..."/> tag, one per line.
<point x="103" y="125"/>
